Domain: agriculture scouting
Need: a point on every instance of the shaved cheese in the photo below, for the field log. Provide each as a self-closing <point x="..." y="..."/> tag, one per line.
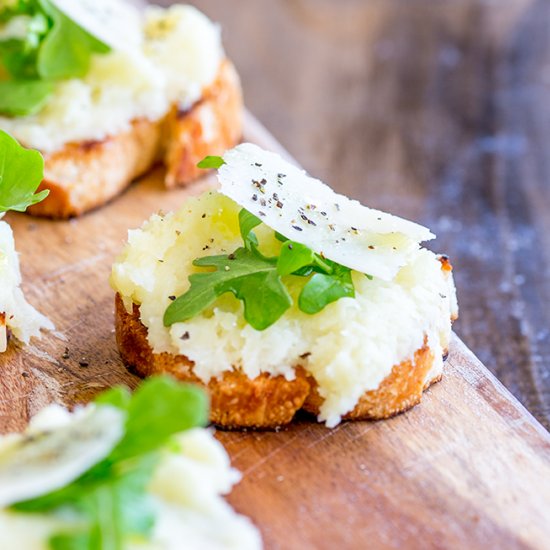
<point x="43" y="459"/>
<point x="114" y="22"/>
<point x="306" y="210"/>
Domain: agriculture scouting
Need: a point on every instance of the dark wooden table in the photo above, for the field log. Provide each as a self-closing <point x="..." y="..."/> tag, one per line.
<point x="439" y="112"/>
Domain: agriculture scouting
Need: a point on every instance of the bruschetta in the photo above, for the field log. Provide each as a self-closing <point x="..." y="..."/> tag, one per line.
<point x="278" y="294"/>
<point x="140" y="88"/>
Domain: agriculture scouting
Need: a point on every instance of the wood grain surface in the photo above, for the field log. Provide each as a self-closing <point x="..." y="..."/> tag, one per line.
<point x="468" y="468"/>
<point x="438" y="111"/>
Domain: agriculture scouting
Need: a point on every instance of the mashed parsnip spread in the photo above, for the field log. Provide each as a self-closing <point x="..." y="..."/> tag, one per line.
<point x="16" y="314"/>
<point x="352" y="344"/>
<point x="179" y="56"/>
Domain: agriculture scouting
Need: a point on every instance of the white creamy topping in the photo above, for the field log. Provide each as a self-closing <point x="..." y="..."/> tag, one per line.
<point x="19" y="316"/>
<point x="187" y="488"/>
<point x="306" y="210"/>
<point x="180" y="55"/>
<point x="353" y="343"/>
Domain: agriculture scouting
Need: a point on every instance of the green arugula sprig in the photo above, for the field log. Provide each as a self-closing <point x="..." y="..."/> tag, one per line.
<point x="54" y="48"/>
<point x="257" y="280"/>
<point x="111" y="498"/>
<point x="21" y="171"/>
<point x="211" y="162"/>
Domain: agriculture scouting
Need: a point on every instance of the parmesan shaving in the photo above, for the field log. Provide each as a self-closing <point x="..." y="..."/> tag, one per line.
<point x="306" y="210"/>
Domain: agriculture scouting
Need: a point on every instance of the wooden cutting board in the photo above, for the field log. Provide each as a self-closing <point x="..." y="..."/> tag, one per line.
<point x="468" y="468"/>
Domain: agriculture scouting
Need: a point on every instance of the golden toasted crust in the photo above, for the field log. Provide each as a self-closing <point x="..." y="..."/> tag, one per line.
<point x="236" y="401"/>
<point x="398" y="392"/>
<point x="267" y="401"/>
<point x="212" y="126"/>
<point x="85" y="175"/>
<point x="4" y="333"/>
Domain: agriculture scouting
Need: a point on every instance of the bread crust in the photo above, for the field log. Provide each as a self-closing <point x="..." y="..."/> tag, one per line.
<point x="269" y="401"/>
<point x="398" y="392"/>
<point x="4" y="333"/>
<point x="87" y="174"/>
<point x="236" y="401"/>
<point x="210" y="127"/>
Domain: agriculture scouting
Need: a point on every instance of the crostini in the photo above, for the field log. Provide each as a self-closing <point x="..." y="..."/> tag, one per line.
<point x="125" y="472"/>
<point x="278" y="294"/>
<point x="20" y="174"/>
<point x="105" y="91"/>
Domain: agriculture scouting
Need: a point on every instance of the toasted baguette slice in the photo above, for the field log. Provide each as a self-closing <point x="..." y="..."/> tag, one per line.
<point x="88" y="174"/>
<point x="266" y="401"/>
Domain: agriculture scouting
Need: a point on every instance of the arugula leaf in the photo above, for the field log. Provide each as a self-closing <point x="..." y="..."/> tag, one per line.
<point x="257" y="280"/>
<point x="293" y="257"/>
<point x="323" y="289"/>
<point x="247" y="222"/>
<point x="111" y="498"/>
<point x="70" y="541"/>
<point x="24" y="97"/>
<point x="67" y="49"/>
<point x="297" y="259"/>
<point x="247" y="274"/>
<point x="115" y="509"/>
<point x="211" y="162"/>
<point x="21" y="171"/>
<point x="118" y="396"/>
<point x="152" y="420"/>
<point x="18" y="53"/>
